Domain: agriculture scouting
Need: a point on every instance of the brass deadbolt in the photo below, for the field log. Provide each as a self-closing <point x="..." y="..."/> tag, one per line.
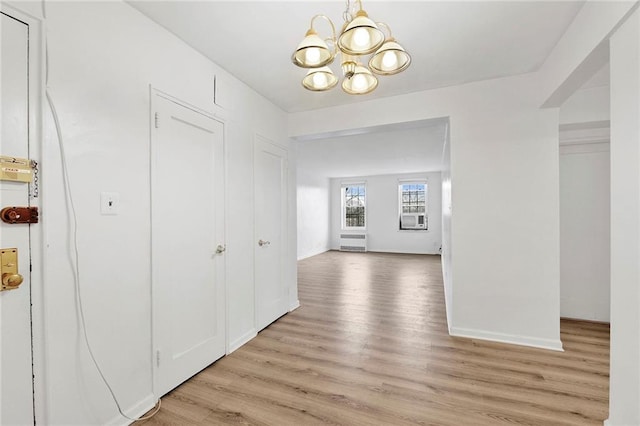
<point x="11" y="279"/>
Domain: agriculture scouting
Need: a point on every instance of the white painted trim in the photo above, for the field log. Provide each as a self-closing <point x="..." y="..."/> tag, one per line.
<point x="596" y="133"/>
<point x="534" y="342"/>
<point x="608" y="422"/>
<point x="295" y="306"/>
<point x="236" y="344"/>
<point x="584" y="149"/>
<point x="214" y="115"/>
<point x="136" y="411"/>
<point x="586" y="125"/>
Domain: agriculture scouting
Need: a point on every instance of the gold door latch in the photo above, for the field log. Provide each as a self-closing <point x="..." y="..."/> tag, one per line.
<point x="11" y="279"/>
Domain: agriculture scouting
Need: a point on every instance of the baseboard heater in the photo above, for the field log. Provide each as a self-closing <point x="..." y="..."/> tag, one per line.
<point x="353" y="242"/>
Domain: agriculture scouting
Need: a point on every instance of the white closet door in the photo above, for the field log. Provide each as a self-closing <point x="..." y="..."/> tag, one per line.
<point x="187" y="226"/>
<point x="270" y="231"/>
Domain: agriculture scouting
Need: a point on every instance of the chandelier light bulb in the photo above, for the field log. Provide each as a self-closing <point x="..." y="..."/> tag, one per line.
<point x="320" y="80"/>
<point x="312" y="55"/>
<point x="359" y="82"/>
<point x="389" y="60"/>
<point x="361" y="37"/>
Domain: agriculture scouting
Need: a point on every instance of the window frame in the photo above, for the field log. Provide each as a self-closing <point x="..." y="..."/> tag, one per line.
<point x="343" y="210"/>
<point x="420" y="181"/>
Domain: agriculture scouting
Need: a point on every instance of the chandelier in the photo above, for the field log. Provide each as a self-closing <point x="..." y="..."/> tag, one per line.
<point x="360" y="36"/>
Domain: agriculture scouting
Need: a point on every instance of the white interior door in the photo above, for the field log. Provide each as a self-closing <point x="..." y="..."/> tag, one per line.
<point x="16" y="384"/>
<point x="270" y="231"/>
<point x="187" y="216"/>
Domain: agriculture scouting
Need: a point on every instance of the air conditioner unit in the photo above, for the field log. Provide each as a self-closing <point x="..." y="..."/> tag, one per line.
<point x="353" y="242"/>
<point x="413" y="221"/>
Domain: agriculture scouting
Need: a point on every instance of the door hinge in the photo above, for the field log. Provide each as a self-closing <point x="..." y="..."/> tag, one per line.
<point x="157" y="120"/>
<point x="157" y="358"/>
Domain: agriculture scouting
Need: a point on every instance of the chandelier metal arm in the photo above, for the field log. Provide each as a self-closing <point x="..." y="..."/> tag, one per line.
<point x="333" y="37"/>
<point x="382" y="24"/>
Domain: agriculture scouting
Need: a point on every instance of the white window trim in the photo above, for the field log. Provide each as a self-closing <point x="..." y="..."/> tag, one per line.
<point x="343" y="213"/>
<point x="401" y="182"/>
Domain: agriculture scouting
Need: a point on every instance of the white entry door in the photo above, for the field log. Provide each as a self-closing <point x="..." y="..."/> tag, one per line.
<point x="187" y="219"/>
<point x="270" y="231"/>
<point x="16" y="383"/>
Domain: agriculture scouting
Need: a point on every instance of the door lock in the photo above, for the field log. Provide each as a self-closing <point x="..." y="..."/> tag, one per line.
<point x="11" y="279"/>
<point x="263" y="243"/>
<point x="13" y="215"/>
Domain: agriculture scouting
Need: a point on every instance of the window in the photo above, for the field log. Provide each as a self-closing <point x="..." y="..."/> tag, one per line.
<point x="353" y="206"/>
<point x="412" y="198"/>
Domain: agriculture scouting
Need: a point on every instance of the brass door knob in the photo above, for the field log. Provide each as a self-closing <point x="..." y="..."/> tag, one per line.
<point x="12" y="280"/>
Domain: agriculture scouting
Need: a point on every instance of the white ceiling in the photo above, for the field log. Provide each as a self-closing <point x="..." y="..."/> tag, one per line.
<point x="450" y="42"/>
<point x="387" y="150"/>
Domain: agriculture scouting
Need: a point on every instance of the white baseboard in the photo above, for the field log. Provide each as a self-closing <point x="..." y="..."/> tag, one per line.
<point x="551" y="344"/>
<point x="295" y="306"/>
<point x="396" y="251"/>
<point x="610" y="423"/>
<point x="241" y="340"/>
<point x="134" y="412"/>
<point x="315" y="253"/>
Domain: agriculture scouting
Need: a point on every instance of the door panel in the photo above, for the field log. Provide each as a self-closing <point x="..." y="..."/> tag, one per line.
<point x="270" y="226"/>
<point x="187" y="225"/>
<point x="16" y="385"/>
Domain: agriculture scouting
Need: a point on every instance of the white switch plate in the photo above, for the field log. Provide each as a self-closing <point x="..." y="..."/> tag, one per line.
<point x="109" y="203"/>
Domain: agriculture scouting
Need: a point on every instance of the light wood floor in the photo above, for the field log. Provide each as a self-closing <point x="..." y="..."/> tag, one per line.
<point x="369" y="346"/>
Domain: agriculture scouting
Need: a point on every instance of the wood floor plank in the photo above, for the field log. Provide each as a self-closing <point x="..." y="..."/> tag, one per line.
<point x="369" y="346"/>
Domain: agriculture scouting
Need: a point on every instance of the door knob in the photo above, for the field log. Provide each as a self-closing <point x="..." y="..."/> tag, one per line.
<point x="11" y="281"/>
<point x="263" y="243"/>
<point x="221" y="249"/>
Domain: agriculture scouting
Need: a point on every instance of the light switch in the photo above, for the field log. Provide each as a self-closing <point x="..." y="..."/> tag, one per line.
<point x="109" y="203"/>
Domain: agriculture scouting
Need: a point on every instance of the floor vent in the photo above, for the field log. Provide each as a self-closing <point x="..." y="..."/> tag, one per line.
<point x="353" y="242"/>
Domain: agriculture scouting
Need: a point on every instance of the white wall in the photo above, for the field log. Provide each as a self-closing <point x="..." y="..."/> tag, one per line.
<point x="374" y="153"/>
<point x="586" y="105"/>
<point x="382" y="230"/>
<point x="103" y="56"/>
<point x="624" y="389"/>
<point x="313" y="214"/>
<point x="585" y="202"/>
<point x="584" y="232"/>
